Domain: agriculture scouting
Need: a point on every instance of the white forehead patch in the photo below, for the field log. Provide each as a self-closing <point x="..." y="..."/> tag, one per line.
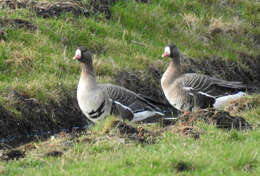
<point x="78" y="53"/>
<point x="167" y="50"/>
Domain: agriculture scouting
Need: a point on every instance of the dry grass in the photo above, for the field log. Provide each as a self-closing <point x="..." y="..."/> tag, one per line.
<point x="243" y="104"/>
<point x="192" y="21"/>
<point x="217" y="25"/>
<point x="22" y="59"/>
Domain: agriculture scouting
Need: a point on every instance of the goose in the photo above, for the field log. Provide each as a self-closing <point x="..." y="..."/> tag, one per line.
<point x="190" y="91"/>
<point x="97" y="101"/>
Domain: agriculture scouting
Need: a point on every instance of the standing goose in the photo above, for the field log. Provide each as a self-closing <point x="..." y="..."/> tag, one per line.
<point x="192" y="90"/>
<point x="97" y="101"/>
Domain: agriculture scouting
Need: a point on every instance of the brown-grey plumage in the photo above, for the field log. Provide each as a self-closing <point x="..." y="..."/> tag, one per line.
<point x="99" y="100"/>
<point x="129" y="98"/>
<point x="192" y="90"/>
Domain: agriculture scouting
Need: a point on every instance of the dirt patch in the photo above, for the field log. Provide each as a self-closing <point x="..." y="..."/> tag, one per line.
<point x="55" y="9"/>
<point x="243" y="104"/>
<point x="221" y="119"/>
<point x="17" y="23"/>
<point x="14" y="23"/>
<point x="55" y="146"/>
<point x="38" y="120"/>
<point x="46" y="9"/>
<point x="119" y="132"/>
<point x="100" y="6"/>
<point x="3" y="34"/>
<point x="147" y="85"/>
<point x="54" y="154"/>
<point x="247" y="70"/>
<point x="13" y="155"/>
<point x="141" y="83"/>
<point x="182" y="166"/>
<point x="131" y="133"/>
<point x="103" y="6"/>
<point x="185" y="130"/>
<point x="124" y="128"/>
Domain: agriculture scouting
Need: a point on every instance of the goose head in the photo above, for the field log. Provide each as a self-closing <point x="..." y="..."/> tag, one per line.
<point x="83" y="55"/>
<point x="172" y="51"/>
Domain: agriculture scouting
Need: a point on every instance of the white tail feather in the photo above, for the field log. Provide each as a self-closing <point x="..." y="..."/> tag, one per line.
<point x="223" y="101"/>
<point x="144" y="115"/>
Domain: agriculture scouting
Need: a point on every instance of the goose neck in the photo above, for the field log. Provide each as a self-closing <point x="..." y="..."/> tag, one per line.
<point x="174" y="68"/>
<point x="171" y="74"/>
<point x="88" y="75"/>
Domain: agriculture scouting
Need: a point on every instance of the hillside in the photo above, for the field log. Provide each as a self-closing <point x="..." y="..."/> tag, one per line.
<point x="38" y="81"/>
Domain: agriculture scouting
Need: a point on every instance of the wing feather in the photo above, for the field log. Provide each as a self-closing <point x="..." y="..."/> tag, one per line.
<point x="122" y="111"/>
<point x="128" y="98"/>
<point x="211" y="86"/>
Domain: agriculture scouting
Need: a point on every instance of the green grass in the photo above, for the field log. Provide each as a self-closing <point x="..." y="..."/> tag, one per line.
<point x="216" y="152"/>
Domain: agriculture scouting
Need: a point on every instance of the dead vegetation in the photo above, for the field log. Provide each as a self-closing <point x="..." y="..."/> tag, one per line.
<point x="117" y="132"/>
<point x="192" y="22"/>
<point x="221" y="119"/>
<point x="17" y="23"/>
<point x="243" y="104"/>
<point x="46" y="9"/>
<point x="55" y="146"/>
<point x="217" y="26"/>
<point x="55" y="9"/>
<point x="21" y="60"/>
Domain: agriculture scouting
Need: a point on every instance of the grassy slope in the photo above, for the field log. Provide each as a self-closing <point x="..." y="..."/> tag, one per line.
<point x="34" y="62"/>
<point x="39" y="63"/>
<point x="216" y="152"/>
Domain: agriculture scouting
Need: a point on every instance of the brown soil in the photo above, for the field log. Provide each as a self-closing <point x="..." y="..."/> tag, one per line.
<point x="141" y="83"/>
<point x="38" y="119"/>
<point x="13" y="154"/>
<point x="221" y="119"/>
<point x="227" y="69"/>
<point x="123" y="133"/>
<point x="182" y="166"/>
<point x="54" y="154"/>
<point x="243" y="104"/>
<point x="51" y="147"/>
<point x="185" y="130"/>
<point x="132" y="133"/>
<point x="16" y="23"/>
<point x="47" y="9"/>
